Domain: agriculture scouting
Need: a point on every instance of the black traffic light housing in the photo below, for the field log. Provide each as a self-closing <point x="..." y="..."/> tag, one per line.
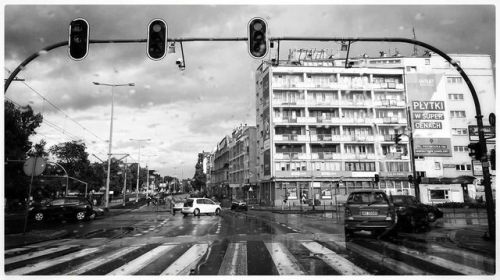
<point x="157" y="39"/>
<point x="78" y="42"/>
<point x="376" y="178"/>
<point x="493" y="159"/>
<point x="397" y="138"/>
<point x="410" y="178"/>
<point x="475" y="150"/>
<point x="258" y="44"/>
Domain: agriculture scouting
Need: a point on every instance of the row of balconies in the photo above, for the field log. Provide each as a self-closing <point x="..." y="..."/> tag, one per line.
<point x="363" y="85"/>
<point x="339" y="156"/>
<point x="333" y="138"/>
<point x="357" y="103"/>
<point x="305" y="120"/>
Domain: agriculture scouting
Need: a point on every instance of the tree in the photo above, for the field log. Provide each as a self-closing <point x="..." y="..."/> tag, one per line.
<point x="200" y="178"/>
<point x="74" y="158"/>
<point x="39" y="150"/>
<point x="20" y="124"/>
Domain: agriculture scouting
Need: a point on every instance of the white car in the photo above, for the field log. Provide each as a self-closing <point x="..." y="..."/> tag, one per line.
<point x="197" y="206"/>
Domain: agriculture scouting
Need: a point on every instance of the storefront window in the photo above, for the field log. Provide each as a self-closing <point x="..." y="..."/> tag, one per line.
<point x="438" y="194"/>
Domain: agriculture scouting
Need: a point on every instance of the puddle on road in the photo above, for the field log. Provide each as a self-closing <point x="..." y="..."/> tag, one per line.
<point x="109" y="233"/>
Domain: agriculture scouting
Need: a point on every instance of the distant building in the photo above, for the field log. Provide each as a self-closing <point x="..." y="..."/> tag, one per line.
<point x="324" y="129"/>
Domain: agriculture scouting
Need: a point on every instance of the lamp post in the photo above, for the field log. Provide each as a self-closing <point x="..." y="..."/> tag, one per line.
<point x="106" y="194"/>
<point x="138" y="164"/>
<point x="66" y="172"/>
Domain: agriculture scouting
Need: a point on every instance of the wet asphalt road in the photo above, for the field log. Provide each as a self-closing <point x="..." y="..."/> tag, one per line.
<point x="149" y="242"/>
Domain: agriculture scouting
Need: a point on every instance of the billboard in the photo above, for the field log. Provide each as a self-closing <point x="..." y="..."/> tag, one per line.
<point x="432" y="147"/>
<point x="267" y="162"/>
<point x="489" y="132"/>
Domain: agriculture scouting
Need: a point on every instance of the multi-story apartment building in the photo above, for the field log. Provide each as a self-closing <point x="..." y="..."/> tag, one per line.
<point x="219" y="175"/>
<point x="242" y="162"/>
<point x="324" y="129"/>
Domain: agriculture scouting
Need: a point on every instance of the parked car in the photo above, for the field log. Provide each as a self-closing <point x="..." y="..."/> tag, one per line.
<point x="414" y="214"/>
<point x="239" y="205"/>
<point x="74" y="208"/>
<point x="197" y="206"/>
<point x="369" y="210"/>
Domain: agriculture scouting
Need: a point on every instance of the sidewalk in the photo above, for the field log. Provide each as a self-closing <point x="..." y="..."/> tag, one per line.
<point x="472" y="238"/>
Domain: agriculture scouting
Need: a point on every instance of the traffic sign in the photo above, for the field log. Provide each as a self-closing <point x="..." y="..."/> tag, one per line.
<point x="34" y="166"/>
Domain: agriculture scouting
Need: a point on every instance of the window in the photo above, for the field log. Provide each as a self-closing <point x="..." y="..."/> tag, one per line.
<point x="411" y="68"/>
<point x="463" y="167"/>
<point x="437" y="165"/>
<point x="455" y="96"/>
<point x="427" y="61"/>
<point x="459" y="131"/>
<point x="360" y="166"/>
<point x="457" y="114"/>
<point x="454" y="80"/>
<point x="438" y="194"/>
<point x="460" y="149"/>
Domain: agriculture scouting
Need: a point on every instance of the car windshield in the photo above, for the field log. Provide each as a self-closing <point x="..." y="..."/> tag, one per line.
<point x="368" y="198"/>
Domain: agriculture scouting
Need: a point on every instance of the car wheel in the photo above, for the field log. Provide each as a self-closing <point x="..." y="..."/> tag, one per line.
<point x="196" y="212"/>
<point x="80" y="216"/>
<point x="217" y="211"/>
<point x="39" y="216"/>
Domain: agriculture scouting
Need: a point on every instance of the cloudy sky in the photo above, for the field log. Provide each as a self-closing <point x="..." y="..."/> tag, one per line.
<point x="186" y="112"/>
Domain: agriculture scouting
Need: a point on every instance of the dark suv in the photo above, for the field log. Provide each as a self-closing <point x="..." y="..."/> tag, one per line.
<point x="369" y="210"/>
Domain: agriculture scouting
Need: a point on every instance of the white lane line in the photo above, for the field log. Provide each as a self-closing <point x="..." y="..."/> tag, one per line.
<point x="235" y="260"/>
<point x="340" y="264"/>
<point x="37" y="254"/>
<point x="50" y="242"/>
<point x="283" y="259"/>
<point x="16" y="250"/>
<point x="394" y="265"/>
<point x="84" y="267"/>
<point x="52" y="262"/>
<point x="140" y="262"/>
<point x="460" y="268"/>
<point x="187" y="261"/>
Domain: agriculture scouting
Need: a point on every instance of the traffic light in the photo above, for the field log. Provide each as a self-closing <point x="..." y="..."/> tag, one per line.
<point x="410" y="178"/>
<point x="492" y="159"/>
<point x="257" y="38"/>
<point x="377" y="178"/>
<point x="397" y="138"/>
<point x="475" y="150"/>
<point x="157" y="39"/>
<point x="78" y="39"/>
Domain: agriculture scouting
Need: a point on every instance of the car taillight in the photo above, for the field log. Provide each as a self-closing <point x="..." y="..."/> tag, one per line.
<point x="389" y="214"/>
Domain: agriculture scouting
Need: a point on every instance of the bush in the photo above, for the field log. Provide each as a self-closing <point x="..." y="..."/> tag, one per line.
<point x="461" y="205"/>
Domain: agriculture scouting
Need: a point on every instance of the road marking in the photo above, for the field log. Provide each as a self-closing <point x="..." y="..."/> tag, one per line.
<point x="337" y="262"/>
<point x="16" y="250"/>
<point x="460" y="268"/>
<point x="50" y="242"/>
<point x="235" y="260"/>
<point x="84" y="267"/>
<point x="52" y="262"/>
<point x="37" y="254"/>
<point x="187" y="261"/>
<point x="392" y="264"/>
<point x="283" y="259"/>
<point x="140" y="262"/>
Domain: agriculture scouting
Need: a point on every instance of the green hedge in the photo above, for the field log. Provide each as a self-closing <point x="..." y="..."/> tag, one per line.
<point x="461" y="205"/>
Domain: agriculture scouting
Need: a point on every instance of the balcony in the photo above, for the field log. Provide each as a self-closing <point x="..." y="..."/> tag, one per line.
<point x="392" y="156"/>
<point x="285" y="120"/>
<point x="324" y="103"/>
<point x="356" y="103"/>
<point x="390" y="120"/>
<point x="350" y="156"/>
<point x="388" y="85"/>
<point x="298" y="102"/>
<point x="358" y="138"/>
<point x="289" y="156"/>
<point x="326" y="155"/>
<point x="290" y="137"/>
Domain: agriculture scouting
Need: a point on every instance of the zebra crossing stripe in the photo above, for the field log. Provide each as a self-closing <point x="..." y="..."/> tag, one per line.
<point x="37" y="254"/>
<point x="467" y="255"/>
<point x="16" y="250"/>
<point x="460" y="268"/>
<point x="84" y="267"/>
<point x="283" y="259"/>
<point x="235" y="260"/>
<point x="52" y="262"/>
<point x="331" y="258"/>
<point x="392" y="264"/>
<point x="140" y="262"/>
<point x="187" y="261"/>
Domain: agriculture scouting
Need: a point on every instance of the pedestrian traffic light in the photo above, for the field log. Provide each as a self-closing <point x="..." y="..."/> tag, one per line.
<point x="157" y="39"/>
<point x="377" y="178"/>
<point x="78" y="41"/>
<point x="397" y="138"/>
<point x="257" y="38"/>
<point x="492" y="159"/>
<point x="475" y="150"/>
<point x="410" y="178"/>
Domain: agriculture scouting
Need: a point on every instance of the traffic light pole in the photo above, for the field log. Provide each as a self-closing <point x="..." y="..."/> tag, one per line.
<point x="479" y="116"/>
<point x="416" y="183"/>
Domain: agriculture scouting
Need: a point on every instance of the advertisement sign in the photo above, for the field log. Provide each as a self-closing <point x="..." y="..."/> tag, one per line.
<point x="477" y="168"/>
<point x="432" y="147"/>
<point x="292" y="193"/>
<point x="489" y="132"/>
<point x="267" y="162"/>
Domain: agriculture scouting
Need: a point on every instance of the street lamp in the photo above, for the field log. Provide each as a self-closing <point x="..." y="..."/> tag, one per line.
<point x="138" y="164"/>
<point x="106" y="197"/>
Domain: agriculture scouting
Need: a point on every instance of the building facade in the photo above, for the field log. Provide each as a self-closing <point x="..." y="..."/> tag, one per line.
<point x="324" y="129"/>
<point x="242" y="162"/>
